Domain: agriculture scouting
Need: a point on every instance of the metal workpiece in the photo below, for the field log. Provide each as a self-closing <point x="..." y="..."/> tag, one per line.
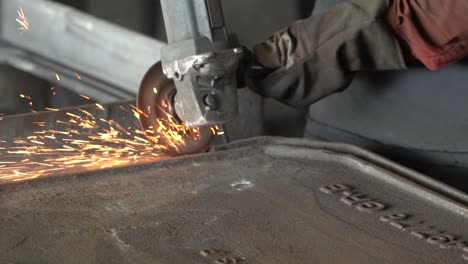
<point x="65" y="39"/>
<point x="70" y="79"/>
<point x="266" y="200"/>
<point x="202" y="59"/>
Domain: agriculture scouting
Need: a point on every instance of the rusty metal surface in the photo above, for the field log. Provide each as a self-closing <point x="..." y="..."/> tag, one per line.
<point x="259" y="201"/>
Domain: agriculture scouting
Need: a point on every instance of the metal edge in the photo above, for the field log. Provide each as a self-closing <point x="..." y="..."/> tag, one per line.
<point x="358" y="152"/>
<point x="67" y="109"/>
<point x="418" y="180"/>
<point x="48" y="70"/>
<point x="80" y="41"/>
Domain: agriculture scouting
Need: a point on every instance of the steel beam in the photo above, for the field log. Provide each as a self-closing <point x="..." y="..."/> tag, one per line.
<point x="70" y="39"/>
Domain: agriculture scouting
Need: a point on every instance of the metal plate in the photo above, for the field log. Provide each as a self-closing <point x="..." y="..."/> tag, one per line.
<point x="259" y="201"/>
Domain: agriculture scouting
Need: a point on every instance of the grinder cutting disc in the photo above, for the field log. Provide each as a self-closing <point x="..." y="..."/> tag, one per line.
<point x="159" y="119"/>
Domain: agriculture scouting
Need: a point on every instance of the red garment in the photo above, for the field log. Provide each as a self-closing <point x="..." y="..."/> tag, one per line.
<point x="436" y="31"/>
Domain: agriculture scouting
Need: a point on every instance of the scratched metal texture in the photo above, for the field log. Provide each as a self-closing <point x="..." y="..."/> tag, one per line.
<point x="257" y="201"/>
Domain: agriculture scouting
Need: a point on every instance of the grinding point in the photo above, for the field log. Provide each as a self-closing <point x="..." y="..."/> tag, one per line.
<point x="159" y="119"/>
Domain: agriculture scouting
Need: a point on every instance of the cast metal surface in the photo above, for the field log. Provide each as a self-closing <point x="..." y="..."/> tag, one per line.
<point x="258" y="201"/>
<point x="201" y="59"/>
<point x="156" y="99"/>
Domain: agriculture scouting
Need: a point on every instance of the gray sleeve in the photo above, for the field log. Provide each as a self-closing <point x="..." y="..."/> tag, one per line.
<point x="320" y="55"/>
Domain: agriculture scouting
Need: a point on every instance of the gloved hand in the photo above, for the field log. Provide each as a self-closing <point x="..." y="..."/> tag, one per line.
<point x="320" y="55"/>
<point x="250" y="70"/>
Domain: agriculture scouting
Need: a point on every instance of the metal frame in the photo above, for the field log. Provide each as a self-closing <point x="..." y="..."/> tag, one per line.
<point x="64" y="40"/>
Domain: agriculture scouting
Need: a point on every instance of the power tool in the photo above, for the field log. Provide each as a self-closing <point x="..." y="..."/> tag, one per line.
<point x="193" y="89"/>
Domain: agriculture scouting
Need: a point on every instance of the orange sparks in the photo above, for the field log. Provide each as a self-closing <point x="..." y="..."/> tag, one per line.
<point x="85" y="142"/>
<point x="82" y="143"/>
<point x="41" y="124"/>
<point x="22" y="21"/>
<point x="51" y="109"/>
<point x="85" y="97"/>
<point x="169" y="134"/>
<point x="25" y="96"/>
<point x="100" y="107"/>
<point x="85" y="112"/>
<point x="77" y="76"/>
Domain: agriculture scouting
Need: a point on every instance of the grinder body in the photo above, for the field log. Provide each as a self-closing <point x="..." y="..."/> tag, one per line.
<point x="202" y="59"/>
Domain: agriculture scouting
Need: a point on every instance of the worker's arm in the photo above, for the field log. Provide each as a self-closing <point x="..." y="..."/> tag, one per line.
<point x="320" y="55"/>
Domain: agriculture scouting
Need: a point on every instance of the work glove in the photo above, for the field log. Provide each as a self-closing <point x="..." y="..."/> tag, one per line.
<point x="321" y="55"/>
<point x="250" y="70"/>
